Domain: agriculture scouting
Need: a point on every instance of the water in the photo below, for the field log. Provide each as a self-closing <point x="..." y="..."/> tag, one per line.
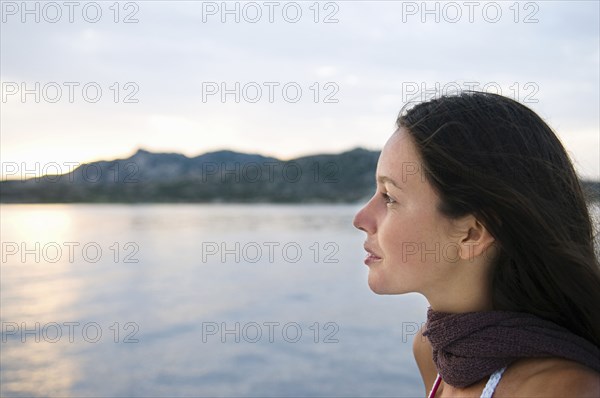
<point x="136" y="300"/>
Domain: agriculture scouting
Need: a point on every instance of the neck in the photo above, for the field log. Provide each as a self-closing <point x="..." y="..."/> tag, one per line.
<point x="460" y="304"/>
<point x="466" y="289"/>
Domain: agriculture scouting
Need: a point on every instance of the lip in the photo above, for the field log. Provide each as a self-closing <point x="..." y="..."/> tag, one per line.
<point x="372" y="257"/>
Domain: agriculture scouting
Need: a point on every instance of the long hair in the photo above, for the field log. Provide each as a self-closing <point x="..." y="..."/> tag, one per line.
<point x="492" y="157"/>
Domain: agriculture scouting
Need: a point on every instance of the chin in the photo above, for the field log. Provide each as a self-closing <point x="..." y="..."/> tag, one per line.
<point x="375" y="289"/>
<point x="380" y="285"/>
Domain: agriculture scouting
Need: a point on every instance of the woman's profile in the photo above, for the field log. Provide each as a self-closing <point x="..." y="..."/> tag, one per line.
<point x="479" y="209"/>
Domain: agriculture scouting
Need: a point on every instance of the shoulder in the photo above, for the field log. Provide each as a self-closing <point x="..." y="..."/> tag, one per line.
<point x="555" y="377"/>
<point x="424" y="357"/>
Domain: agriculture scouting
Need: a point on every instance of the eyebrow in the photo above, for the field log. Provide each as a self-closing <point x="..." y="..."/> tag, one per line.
<point x="384" y="179"/>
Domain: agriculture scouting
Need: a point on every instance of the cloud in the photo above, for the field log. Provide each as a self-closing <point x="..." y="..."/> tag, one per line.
<point x="371" y="55"/>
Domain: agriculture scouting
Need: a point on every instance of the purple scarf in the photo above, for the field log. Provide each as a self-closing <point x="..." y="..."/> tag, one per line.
<point x="470" y="346"/>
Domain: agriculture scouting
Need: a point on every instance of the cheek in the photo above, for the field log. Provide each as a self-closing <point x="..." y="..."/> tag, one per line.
<point x="402" y="271"/>
<point x="409" y="239"/>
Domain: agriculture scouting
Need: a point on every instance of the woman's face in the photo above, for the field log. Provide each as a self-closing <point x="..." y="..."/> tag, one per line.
<point x="409" y="240"/>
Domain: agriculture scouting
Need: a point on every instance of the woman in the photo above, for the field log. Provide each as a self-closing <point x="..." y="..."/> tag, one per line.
<point x="479" y="209"/>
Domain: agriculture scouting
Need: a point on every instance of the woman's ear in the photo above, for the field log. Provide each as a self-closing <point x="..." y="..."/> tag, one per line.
<point x="475" y="238"/>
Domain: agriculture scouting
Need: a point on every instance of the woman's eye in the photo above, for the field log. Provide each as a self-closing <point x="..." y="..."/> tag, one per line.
<point x="387" y="198"/>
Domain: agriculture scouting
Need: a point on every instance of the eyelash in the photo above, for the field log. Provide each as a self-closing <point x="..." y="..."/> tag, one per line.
<point x="388" y="200"/>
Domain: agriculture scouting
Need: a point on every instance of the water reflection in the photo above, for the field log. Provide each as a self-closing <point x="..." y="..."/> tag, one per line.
<point x="36" y="293"/>
<point x="172" y="289"/>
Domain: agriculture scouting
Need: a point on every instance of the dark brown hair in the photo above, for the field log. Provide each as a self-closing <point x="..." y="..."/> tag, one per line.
<point x="492" y="157"/>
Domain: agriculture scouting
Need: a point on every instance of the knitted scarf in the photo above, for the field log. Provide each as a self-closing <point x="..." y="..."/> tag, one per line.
<point x="470" y="346"/>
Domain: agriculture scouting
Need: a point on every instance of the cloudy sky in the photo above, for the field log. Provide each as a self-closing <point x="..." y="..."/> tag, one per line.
<point x="95" y="80"/>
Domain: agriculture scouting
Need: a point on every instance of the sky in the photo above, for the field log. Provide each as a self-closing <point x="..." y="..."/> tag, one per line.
<point x="86" y="81"/>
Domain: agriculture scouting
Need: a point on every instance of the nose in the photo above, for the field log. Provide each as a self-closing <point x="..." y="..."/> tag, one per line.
<point x="357" y="221"/>
<point x="363" y="220"/>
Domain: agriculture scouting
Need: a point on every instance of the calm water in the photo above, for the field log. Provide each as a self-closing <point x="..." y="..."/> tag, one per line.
<point x="197" y="300"/>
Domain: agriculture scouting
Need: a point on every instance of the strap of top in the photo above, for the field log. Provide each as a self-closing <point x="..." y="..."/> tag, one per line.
<point x="488" y="390"/>
<point x="492" y="383"/>
<point x="435" y="387"/>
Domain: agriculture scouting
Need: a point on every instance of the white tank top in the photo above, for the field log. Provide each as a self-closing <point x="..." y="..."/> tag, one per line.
<point x="492" y="383"/>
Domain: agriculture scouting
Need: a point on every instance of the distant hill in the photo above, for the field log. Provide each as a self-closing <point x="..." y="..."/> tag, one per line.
<point x="222" y="176"/>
